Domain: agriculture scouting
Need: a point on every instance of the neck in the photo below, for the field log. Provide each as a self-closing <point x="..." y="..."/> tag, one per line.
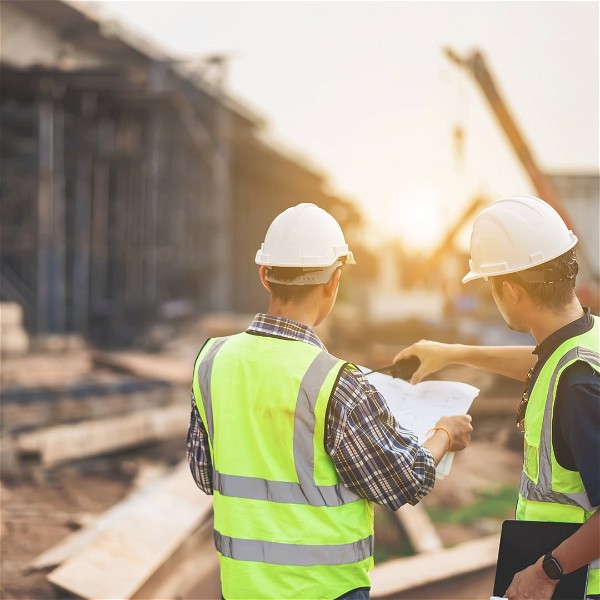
<point x="546" y="322"/>
<point x="306" y="313"/>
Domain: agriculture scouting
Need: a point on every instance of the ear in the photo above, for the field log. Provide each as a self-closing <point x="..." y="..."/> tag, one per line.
<point x="331" y="286"/>
<point x="513" y="292"/>
<point x="262" y="272"/>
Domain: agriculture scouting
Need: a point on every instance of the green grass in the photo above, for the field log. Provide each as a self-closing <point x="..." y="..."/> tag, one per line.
<point x="497" y="504"/>
<point x="399" y="550"/>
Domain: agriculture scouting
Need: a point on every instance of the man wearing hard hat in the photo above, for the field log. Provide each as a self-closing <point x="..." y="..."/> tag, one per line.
<point x="524" y="248"/>
<point x="293" y="442"/>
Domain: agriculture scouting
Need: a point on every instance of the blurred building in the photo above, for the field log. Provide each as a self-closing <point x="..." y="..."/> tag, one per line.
<point x="580" y="193"/>
<point x="129" y="181"/>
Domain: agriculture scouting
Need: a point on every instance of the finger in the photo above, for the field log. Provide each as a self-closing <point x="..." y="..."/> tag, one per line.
<point x="405" y="353"/>
<point x="418" y="375"/>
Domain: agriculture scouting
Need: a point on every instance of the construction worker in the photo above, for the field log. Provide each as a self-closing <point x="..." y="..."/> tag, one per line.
<point x="522" y="246"/>
<point x="294" y="443"/>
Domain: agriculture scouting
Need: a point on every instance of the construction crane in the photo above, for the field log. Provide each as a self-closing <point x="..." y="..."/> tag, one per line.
<point x="475" y="65"/>
<point x="433" y="260"/>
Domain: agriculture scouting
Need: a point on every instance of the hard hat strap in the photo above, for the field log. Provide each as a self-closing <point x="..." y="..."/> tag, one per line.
<point x="309" y="276"/>
<point x="548" y="275"/>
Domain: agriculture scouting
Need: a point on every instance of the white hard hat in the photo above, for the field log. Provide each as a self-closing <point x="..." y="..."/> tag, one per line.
<point x="308" y="237"/>
<point x="514" y="234"/>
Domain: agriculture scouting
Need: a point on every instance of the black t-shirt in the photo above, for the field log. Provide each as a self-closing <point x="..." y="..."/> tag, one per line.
<point x="576" y="419"/>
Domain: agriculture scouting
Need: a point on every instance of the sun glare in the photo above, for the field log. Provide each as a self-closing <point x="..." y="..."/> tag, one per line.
<point x="415" y="217"/>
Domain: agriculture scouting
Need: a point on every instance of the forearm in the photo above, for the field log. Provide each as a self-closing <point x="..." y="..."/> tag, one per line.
<point x="582" y="547"/>
<point x="438" y="445"/>
<point x="510" y="361"/>
<point x="372" y="454"/>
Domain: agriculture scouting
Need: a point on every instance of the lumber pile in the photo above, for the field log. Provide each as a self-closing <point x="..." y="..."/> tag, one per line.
<point x="29" y="407"/>
<point x="147" y="366"/>
<point x="54" y="445"/>
<point x="157" y="543"/>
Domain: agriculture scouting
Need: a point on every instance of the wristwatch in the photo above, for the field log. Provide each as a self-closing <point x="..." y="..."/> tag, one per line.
<point x="552" y="567"/>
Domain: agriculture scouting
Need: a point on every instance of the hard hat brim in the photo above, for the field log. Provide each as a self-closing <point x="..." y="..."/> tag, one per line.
<point x="471" y="276"/>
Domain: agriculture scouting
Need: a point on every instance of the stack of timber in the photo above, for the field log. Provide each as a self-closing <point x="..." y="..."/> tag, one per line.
<point x="28" y="407"/>
<point x="146" y="366"/>
<point x="96" y="413"/>
<point x="14" y="340"/>
<point x="62" y="443"/>
<point x="157" y="543"/>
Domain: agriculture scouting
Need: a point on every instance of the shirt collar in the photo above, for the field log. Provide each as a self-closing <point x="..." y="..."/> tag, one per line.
<point x="554" y="340"/>
<point x="280" y="327"/>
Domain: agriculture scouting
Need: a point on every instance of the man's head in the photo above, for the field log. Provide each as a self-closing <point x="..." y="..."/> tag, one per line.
<point x="304" y="248"/>
<point x="522" y="245"/>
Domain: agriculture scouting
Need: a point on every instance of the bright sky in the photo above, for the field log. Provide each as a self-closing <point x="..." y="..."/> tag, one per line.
<point x="363" y="90"/>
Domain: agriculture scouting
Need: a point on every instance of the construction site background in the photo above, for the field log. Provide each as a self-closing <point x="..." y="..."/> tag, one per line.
<point x="134" y="193"/>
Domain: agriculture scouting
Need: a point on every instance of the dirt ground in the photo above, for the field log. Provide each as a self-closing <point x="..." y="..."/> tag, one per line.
<point x="36" y="516"/>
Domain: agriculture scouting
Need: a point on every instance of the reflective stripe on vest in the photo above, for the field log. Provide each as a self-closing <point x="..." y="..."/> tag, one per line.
<point x="204" y="375"/>
<point x="304" y="492"/>
<point x="240" y="486"/>
<point x="293" y="554"/>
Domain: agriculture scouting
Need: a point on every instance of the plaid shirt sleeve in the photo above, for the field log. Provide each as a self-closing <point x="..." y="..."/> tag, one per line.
<point x="198" y="451"/>
<point x="374" y="456"/>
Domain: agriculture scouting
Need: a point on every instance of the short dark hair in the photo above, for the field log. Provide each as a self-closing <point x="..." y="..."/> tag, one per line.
<point x="558" y="281"/>
<point x="287" y="293"/>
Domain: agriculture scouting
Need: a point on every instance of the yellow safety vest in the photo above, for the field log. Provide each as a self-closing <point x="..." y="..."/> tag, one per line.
<point x="549" y="492"/>
<point x="285" y="525"/>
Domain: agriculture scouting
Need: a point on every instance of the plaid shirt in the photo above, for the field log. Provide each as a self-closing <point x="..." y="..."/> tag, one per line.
<point x="373" y="455"/>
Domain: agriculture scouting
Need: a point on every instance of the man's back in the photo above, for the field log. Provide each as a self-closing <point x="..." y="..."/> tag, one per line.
<point x="303" y="533"/>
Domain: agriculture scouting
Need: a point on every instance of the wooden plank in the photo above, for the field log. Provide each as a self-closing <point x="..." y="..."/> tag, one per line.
<point x="419" y="528"/>
<point x="11" y="313"/>
<point x="401" y="575"/>
<point x="193" y="566"/>
<point x="148" y="366"/>
<point x="142" y="534"/>
<point x="93" y="437"/>
<point x="94" y="525"/>
<point x="14" y="340"/>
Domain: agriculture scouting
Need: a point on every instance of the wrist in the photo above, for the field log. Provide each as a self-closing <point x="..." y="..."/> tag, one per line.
<point x="550" y="568"/>
<point x="438" y="429"/>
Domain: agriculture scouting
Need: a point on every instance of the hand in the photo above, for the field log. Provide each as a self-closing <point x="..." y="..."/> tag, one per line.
<point x="533" y="583"/>
<point x="460" y="429"/>
<point x="433" y="356"/>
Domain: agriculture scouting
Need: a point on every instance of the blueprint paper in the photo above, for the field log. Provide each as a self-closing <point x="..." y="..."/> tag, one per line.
<point x="419" y="407"/>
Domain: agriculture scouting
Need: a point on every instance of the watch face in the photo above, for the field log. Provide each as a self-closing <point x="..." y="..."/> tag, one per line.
<point x="552" y="568"/>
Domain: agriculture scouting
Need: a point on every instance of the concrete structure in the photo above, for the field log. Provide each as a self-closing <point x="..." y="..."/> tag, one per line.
<point x="580" y="193"/>
<point x="130" y="182"/>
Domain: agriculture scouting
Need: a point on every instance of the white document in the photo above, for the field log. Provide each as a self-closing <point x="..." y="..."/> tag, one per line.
<point x="419" y="407"/>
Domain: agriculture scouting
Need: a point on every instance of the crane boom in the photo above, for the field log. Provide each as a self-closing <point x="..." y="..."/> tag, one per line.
<point x="475" y="64"/>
